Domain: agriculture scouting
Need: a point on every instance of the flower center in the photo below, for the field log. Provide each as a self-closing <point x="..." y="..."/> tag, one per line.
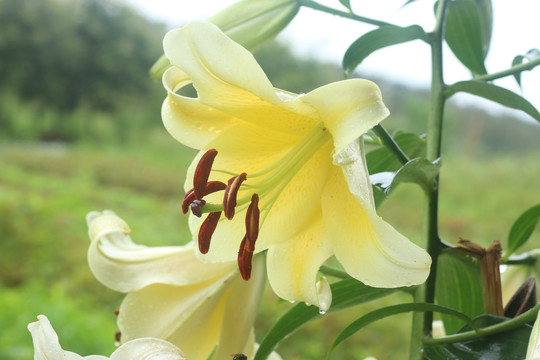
<point x="267" y="184"/>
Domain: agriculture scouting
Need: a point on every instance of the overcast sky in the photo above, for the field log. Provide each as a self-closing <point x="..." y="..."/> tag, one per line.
<point x="317" y="34"/>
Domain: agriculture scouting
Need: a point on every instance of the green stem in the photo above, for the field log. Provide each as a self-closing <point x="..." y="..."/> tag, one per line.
<point x="511" y="71"/>
<point x="390" y="143"/>
<point x="506" y="325"/>
<point x="422" y="322"/>
<point x="331" y="271"/>
<point x="316" y="6"/>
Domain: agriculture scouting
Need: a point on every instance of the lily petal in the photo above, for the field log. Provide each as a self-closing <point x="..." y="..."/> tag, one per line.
<point x="369" y="249"/>
<point x="349" y="109"/>
<point x="293" y="265"/>
<point x="186" y="119"/>
<point x="240" y="311"/>
<point x="47" y="346"/>
<point x="228" y="78"/>
<point x="188" y="316"/>
<point x="124" y="266"/>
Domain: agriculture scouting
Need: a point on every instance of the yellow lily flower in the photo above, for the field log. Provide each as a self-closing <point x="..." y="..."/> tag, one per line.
<point x="172" y="295"/>
<point x="47" y="347"/>
<point x="291" y="165"/>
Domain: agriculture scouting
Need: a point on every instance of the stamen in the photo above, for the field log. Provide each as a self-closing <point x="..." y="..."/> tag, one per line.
<point x="196" y="207"/>
<point x="207" y="230"/>
<point x="252" y="219"/>
<point x="211" y="187"/>
<point x="202" y="172"/>
<point x="229" y="199"/>
<point x="245" y="255"/>
<point x="117" y="337"/>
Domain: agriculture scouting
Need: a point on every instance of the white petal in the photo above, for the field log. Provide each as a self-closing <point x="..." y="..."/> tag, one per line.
<point x="148" y="349"/>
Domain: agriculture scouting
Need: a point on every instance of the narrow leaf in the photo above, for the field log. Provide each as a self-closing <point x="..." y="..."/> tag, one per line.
<point x="508" y="345"/>
<point x="464" y="34"/>
<point x="517" y="61"/>
<point x="459" y="286"/>
<point x="347" y="4"/>
<point x="345" y="293"/>
<point x="393" y="310"/>
<point x="523" y="228"/>
<point x="377" y="39"/>
<point x="494" y="93"/>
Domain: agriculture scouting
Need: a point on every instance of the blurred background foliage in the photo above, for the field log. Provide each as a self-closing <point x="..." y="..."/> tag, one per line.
<point x="80" y="130"/>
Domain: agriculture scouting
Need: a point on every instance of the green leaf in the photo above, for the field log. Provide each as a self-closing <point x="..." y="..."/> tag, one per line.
<point x="494" y="93"/>
<point x="486" y="12"/>
<point x="464" y="34"/>
<point x="508" y="345"/>
<point x="393" y="310"/>
<point x="382" y="159"/>
<point x="377" y="39"/>
<point x="420" y="171"/>
<point x="517" y="61"/>
<point x="345" y="293"/>
<point x="459" y="286"/>
<point x="347" y="4"/>
<point x="522" y="229"/>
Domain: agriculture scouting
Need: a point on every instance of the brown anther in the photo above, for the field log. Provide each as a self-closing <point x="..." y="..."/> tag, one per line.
<point x="211" y="187"/>
<point x="116" y="312"/>
<point x="245" y="255"/>
<point x="202" y="172"/>
<point x="229" y="198"/>
<point x="252" y="219"/>
<point x="117" y="336"/>
<point x="196" y="207"/>
<point x="207" y="229"/>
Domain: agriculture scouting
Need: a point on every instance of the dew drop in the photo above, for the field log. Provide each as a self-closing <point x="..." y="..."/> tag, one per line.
<point x="322" y="312"/>
<point x="292" y="301"/>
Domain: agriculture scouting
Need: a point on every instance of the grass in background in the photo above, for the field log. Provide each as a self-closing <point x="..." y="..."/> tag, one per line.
<point x="46" y="191"/>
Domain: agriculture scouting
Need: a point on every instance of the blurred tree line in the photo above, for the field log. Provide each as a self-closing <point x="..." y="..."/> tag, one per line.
<point x="77" y="70"/>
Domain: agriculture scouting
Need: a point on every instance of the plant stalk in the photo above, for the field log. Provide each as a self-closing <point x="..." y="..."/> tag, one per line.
<point x="316" y="6"/>
<point x="422" y="322"/>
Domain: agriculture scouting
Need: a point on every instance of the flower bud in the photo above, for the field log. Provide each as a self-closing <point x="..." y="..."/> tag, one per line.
<point x="248" y="22"/>
<point x="251" y="22"/>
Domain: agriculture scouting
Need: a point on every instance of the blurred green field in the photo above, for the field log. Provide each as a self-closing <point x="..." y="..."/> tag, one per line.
<point x="47" y="189"/>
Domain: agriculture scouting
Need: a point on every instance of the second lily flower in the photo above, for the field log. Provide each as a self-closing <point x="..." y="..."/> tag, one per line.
<point x="291" y="166"/>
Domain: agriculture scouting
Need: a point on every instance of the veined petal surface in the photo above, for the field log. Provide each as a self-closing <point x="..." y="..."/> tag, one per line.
<point x="293" y="265"/>
<point x="369" y="249"/>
